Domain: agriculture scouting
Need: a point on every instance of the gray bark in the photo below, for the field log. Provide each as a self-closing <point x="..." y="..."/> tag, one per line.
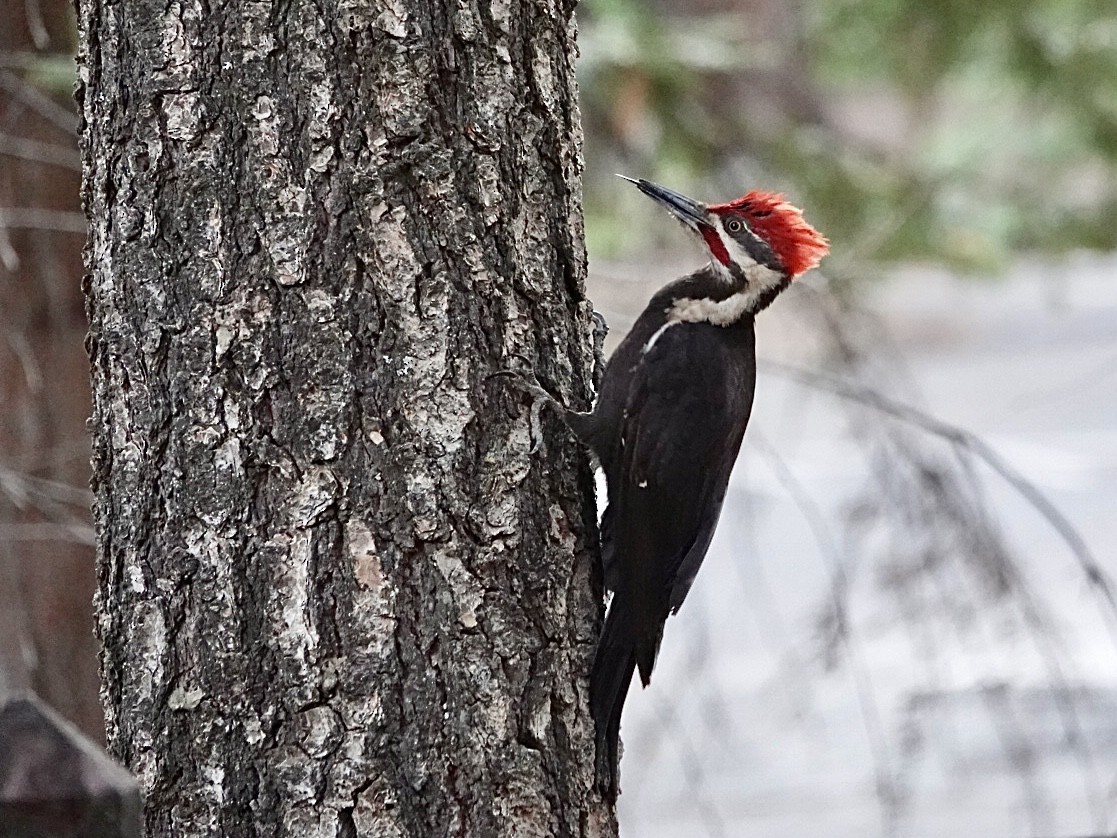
<point x="338" y="595"/>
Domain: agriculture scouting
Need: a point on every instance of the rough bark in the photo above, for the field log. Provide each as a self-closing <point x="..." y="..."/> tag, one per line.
<point x="338" y="593"/>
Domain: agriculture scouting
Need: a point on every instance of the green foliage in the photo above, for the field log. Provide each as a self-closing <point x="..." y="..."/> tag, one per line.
<point x="934" y="130"/>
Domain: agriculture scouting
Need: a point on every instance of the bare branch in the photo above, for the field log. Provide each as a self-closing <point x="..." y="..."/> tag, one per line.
<point x="20" y="486"/>
<point x="35" y="24"/>
<point x="38" y="152"/>
<point x="887" y="783"/>
<point x="972" y="443"/>
<point x="11" y="59"/>
<point x="42" y="104"/>
<point x="32" y="218"/>
<point x="76" y="533"/>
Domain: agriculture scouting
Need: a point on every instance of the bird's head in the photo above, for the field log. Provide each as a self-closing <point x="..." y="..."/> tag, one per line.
<point x="750" y="239"/>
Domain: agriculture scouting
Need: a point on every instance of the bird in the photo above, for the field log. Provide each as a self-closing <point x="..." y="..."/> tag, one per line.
<point x="667" y="426"/>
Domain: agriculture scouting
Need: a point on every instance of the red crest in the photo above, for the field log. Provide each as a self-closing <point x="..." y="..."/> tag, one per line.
<point x="798" y="245"/>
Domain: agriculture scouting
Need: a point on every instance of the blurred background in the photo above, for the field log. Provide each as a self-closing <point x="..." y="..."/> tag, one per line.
<point x="46" y="535"/>
<point x="906" y="625"/>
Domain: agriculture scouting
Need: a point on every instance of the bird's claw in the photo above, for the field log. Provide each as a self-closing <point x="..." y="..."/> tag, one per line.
<point x="528" y="383"/>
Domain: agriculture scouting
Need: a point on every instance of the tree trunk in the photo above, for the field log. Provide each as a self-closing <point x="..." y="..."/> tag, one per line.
<point x="338" y="593"/>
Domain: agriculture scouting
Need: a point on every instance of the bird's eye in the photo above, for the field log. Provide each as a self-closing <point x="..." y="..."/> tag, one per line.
<point x="733" y="225"/>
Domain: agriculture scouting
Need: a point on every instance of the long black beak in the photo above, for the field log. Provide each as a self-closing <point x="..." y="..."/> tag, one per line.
<point x="692" y="213"/>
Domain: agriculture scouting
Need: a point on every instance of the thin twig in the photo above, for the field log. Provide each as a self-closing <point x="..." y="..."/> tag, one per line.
<point x="32" y="218"/>
<point x="35" y="24"/>
<point x="1093" y="571"/>
<point x="871" y="716"/>
<point x="53" y="154"/>
<point x="20" y="484"/>
<point x="42" y="104"/>
<point x="694" y="775"/>
<point x="75" y="533"/>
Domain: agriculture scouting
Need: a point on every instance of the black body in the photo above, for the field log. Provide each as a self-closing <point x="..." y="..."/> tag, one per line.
<point x="666" y="427"/>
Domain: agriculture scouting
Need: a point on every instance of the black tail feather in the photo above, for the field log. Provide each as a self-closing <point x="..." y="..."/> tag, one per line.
<point x="613" y="666"/>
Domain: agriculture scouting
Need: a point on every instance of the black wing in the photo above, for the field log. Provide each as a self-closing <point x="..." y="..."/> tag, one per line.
<point x="684" y="420"/>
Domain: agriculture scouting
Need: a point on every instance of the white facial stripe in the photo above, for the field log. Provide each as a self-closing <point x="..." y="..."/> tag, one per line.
<point x="737" y="254"/>
<point x="759" y="280"/>
<point x="722" y="271"/>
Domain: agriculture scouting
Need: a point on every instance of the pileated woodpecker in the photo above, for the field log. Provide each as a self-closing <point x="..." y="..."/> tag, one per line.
<point x="668" y="423"/>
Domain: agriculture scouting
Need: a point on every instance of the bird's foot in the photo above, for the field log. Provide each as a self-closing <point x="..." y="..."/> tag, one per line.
<point x="527" y="382"/>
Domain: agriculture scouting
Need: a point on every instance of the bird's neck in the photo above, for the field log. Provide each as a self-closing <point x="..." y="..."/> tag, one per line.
<point x="722" y="296"/>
